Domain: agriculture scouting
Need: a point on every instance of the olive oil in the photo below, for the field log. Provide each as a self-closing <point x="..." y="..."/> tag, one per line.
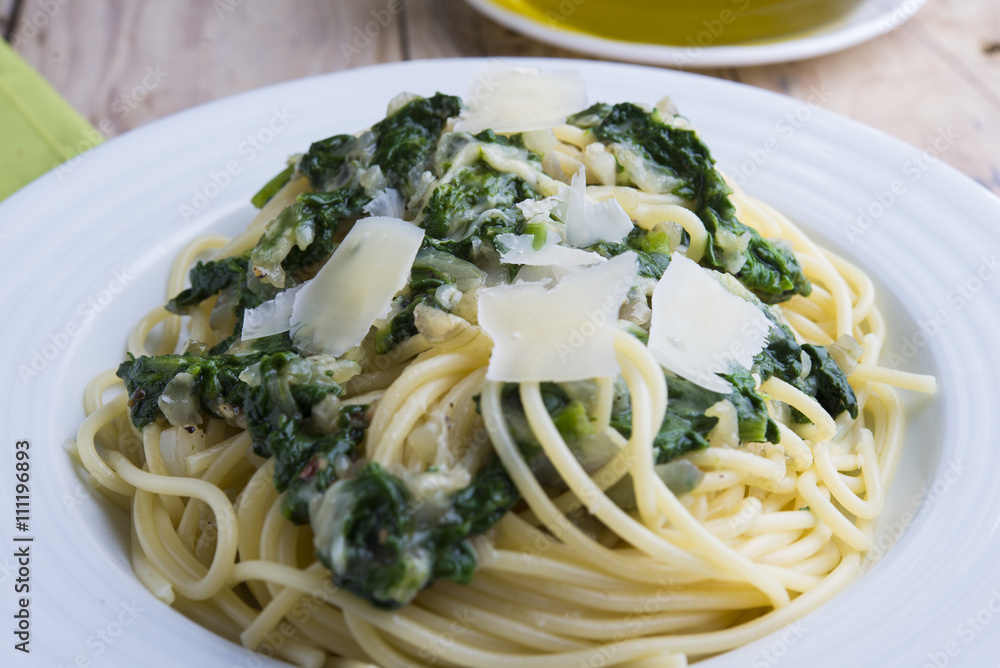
<point x="685" y="22"/>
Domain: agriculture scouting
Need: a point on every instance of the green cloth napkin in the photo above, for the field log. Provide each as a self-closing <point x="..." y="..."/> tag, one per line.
<point x="38" y="128"/>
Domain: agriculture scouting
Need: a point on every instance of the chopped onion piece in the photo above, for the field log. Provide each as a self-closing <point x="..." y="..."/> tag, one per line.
<point x="560" y="334"/>
<point x="601" y="164"/>
<point x="540" y="141"/>
<point x="521" y="251"/>
<point x="680" y="476"/>
<point x="537" y="207"/>
<point x="846" y="352"/>
<point x="465" y="274"/>
<point x="372" y="181"/>
<point x="589" y="222"/>
<point x="178" y="402"/>
<point x="448" y="296"/>
<point x="636" y="309"/>
<point x="666" y="107"/>
<point x="550" y="274"/>
<point x="333" y="312"/>
<point x="552" y="165"/>
<point x="576" y="137"/>
<point x="326" y="413"/>
<point x="734" y="249"/>
<point x="387" y="203"/>
<point x="176" y="444"/>
<point x="726" y="432"/>
<point x="700" y="329"/>
<point x="422" y="190"/>
<point x="499" y="94"/>
<point x="271" y="317"/>
<point x="400" y="101"/>
<point x="806" y="365"/>
<point x="436" y="325"/>
<point x="644" y="173"/>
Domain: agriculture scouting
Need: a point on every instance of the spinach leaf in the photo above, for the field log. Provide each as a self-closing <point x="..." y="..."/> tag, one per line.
<point x="490" y="137"/>
<point x="407" y="139"/>
<point x="481" y="505"/>
<point x="651" y="249"/>
<point x="393" y="548"/>
<point x="755" y="425"/>
<point x="828" y="383"/>
<point x="590" y="117"/>
<point x="327" y="210"/>
<point x="380" y="549"/>
<point x="685" y="426"/>
<point x="216" y="381"/>
<point x="319" y="472"/>
<point x="770" y="272"/>
<point x="825" y="382"/>
<point x="372" y="549"/>
<point x="421" y="289"/>
<point x="569" y="416"/>
<point x="276" y="409"/>
<point x="211" y="278"/>
<point x="271" y="188"/>
<point x="323" y="162"/>
<point x="301" y="237"/>
<point x="456" y="208"/>
<point x="303" y="233"/>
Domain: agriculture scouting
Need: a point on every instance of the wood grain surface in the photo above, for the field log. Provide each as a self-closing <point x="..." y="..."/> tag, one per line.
<point x="6" y="13"/>
<point x="933" y="82"/>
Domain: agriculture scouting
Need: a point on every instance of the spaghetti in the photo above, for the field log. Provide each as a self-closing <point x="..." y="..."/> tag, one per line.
<point x="571" y="574"/>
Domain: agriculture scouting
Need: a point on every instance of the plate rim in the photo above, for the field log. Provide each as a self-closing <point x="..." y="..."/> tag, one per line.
<point x="839" y="36"/>
<point x="137" y="136"/>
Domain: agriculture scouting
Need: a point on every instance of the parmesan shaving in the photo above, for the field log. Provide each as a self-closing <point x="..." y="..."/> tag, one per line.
<point x="700" y="329"/>
<point x="270" y="318"/>
<point x="498" y="94"/>
<point x="334" y="311"/>
<point x="521" y="251"/>
<point x="589" y="222"/>
<point x="560" y="334"/>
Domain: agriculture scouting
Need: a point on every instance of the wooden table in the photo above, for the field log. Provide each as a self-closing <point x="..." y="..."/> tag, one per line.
<point x="123" y="63"/>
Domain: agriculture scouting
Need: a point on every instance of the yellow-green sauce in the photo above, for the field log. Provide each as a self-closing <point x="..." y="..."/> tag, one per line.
<point x="684" y="22"/>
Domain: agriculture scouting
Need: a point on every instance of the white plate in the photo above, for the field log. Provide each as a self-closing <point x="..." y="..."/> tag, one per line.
<point x="86" y="251"/>
<point x="870" y="19"/>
